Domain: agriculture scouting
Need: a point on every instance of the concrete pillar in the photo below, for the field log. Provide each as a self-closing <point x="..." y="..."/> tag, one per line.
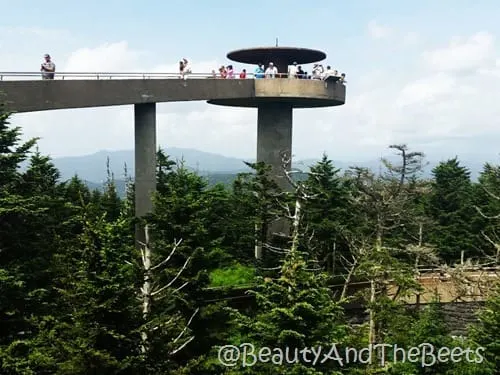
<point x="145" y="162"/>
<point x="274" y="139"/>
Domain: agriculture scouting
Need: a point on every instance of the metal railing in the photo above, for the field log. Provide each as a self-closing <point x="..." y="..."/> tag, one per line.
<point x="138" y="75"/>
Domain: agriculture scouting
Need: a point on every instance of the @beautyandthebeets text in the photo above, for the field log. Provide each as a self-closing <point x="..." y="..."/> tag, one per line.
<point x="425" y="354"/>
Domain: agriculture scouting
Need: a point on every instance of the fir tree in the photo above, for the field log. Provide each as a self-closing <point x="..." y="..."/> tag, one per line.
<point x="487" y="335"/>
<point x="327" y="213"/>
<point x="450" y="205"/>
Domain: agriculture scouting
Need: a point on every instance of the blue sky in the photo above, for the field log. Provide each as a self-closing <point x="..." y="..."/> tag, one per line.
<point x="425" y="73"/>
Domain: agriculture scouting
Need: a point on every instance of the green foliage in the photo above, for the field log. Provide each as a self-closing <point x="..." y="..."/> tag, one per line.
<point x="70" y="274"/>
<point x="450" y="206"/>
<point x="296" y="310"/>
<point x="328" y="213"/>
<point x="487" y="333"/>
<point x="234" y="275"/>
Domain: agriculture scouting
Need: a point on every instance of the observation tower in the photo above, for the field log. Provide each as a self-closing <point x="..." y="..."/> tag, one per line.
<point x="276" y="98"/>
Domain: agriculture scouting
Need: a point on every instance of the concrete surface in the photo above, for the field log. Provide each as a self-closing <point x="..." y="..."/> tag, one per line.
<point x="300" y="93"/>
<point x="32" y="96"/>
<point x="145" y="162"/>
<point x="274" y="138"/>
<point x="274" y="142"/>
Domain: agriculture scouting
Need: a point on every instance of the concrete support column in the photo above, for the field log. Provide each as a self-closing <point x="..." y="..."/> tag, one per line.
<point x="274" y="139"/>
<point x="145" y="162"/>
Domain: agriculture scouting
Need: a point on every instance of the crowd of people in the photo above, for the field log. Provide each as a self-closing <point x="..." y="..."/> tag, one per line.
<point x="295" y="71"/>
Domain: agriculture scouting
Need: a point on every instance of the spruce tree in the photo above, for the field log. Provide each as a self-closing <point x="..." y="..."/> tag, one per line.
<point x="487" y="203"/>
<point x="185" y="210"/>
<point x="295" y="310"/>
<point x="486" y="334"/>
<point x="450" y="205"/>
<point x="328" y="213"/>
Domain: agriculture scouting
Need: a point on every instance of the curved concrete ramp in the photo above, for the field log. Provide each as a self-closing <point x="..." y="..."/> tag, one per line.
<point x="32" y="96"/>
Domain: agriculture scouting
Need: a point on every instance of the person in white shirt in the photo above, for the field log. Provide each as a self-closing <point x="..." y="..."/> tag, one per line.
<point x="271" y="71"/>
<point x="292" y="70"/>
<point x="317" y="71"/>
<point x="187" y="69"/>
<point x="48" y="68"/>
<point x="329" y="72"/>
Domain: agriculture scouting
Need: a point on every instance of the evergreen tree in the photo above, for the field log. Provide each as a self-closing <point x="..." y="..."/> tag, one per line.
<point x="411" y="328"/>
<point x="96" y="326"/>
<point x="487" y="335"/>
<point x="76" y="192"/>
<point x="185" y="210"/>
<point x="254" y="207"/>
<point x="487" y="203"/>
<point x="295" y="310"/>
<point x="110" y="201"/>
<point x="450" y="205"/>
<point x="33" y="228"/>
<point x="328" y="213"/>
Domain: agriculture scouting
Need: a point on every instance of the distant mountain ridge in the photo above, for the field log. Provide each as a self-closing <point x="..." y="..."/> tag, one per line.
<point x="92" y="167"/>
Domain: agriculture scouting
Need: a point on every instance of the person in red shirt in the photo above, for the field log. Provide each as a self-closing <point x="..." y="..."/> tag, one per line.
<point x="243" y="74"/>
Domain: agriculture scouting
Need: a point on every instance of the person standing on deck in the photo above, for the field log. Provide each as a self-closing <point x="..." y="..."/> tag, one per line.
<point x="48" y="68"/>
<point x="259" y="71"/>
<point x="292" y="70"/>
<point x="271" y="71"/>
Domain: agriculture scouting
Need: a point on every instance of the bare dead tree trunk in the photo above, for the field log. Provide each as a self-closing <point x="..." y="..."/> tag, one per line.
<point x="371" y="337"/>
<point x="149" y="293"/>
<point x="420" y="241"/>
<point x="334" y="256"/>
<point x="348" y="278"/>
<point x="258" y="241"/>
<point x="296" y="225"/>
<point x="146" y="289"/>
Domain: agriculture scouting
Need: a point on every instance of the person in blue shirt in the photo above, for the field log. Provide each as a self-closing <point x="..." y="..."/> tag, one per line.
<point x="259" y="71"/>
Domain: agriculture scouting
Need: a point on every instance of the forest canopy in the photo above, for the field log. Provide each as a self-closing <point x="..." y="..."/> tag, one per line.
<point x="78" y="295"/>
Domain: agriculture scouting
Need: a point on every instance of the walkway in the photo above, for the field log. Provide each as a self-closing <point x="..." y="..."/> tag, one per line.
<point x="27" y="92"/>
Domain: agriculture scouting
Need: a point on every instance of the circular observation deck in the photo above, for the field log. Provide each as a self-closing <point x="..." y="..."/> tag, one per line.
<point x="281" y="57"/>
<point x="277" y="55"/>
<point x="299" y="93"/>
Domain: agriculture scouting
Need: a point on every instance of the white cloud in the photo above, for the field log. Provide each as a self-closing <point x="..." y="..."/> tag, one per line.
<point x="109" y="57"/>
<point x="463" y="54"/>
<point x="377" y="31"/>
<point x="426" y="90"/>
